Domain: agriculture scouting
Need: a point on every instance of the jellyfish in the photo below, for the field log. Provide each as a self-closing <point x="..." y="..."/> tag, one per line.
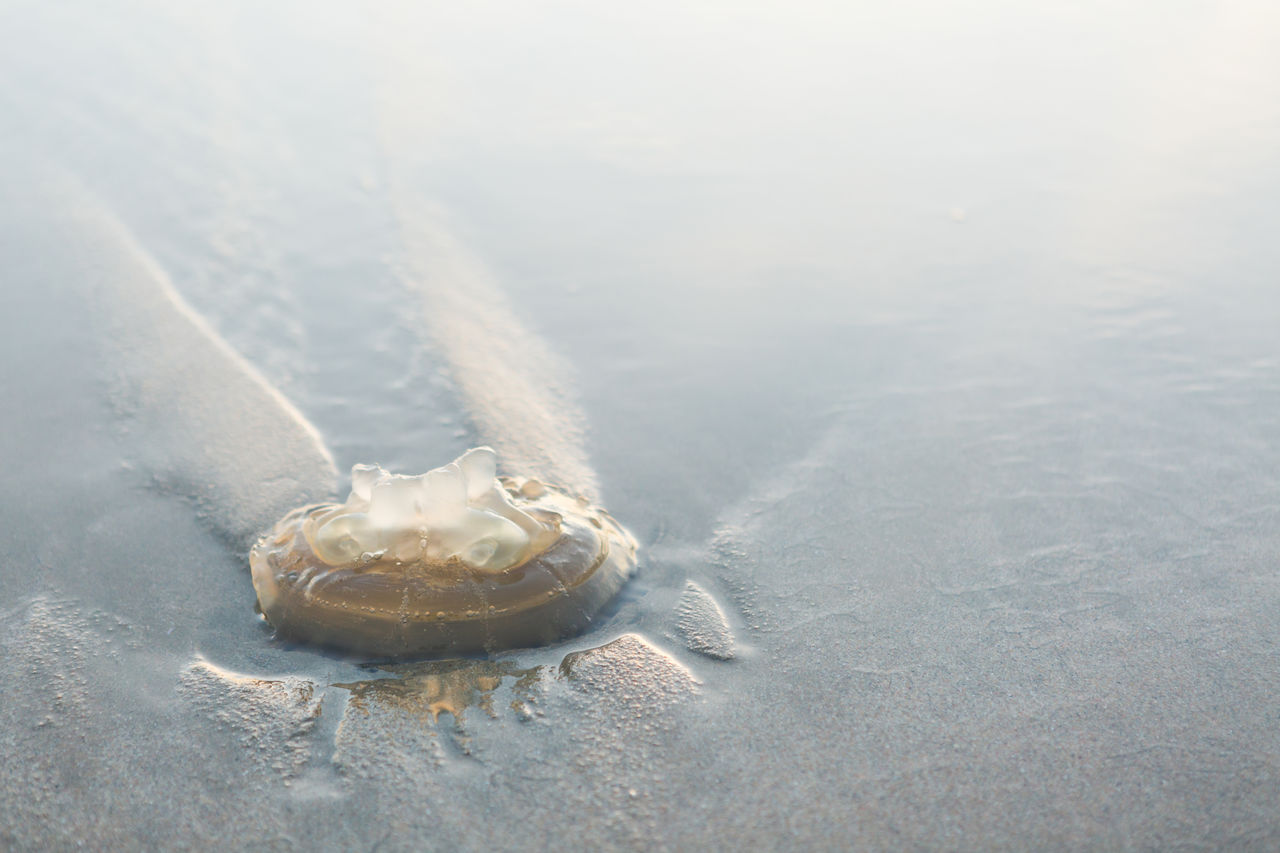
<point x="455" y="560"/>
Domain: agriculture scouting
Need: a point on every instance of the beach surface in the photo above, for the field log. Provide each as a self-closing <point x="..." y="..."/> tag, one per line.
<point x="929" y="352"/>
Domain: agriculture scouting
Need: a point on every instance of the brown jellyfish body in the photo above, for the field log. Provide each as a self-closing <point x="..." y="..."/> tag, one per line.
<point x="455" y="560"/>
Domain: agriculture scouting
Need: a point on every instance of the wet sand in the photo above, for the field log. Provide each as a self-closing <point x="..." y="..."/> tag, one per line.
<point x="930" y="355"/>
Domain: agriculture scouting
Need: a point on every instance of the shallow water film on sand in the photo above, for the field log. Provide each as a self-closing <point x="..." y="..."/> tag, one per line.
<point x="929" y="353"/>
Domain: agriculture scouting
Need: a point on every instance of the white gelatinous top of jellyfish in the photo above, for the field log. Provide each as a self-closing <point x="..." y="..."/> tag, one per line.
<point x="458" y="511"/>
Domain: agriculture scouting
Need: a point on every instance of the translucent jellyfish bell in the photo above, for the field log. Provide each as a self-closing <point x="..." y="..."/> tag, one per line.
<point x="452" y="560"/>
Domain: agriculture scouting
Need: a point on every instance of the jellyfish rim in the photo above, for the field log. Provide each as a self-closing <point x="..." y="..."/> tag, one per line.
<point x="309" y="601"/>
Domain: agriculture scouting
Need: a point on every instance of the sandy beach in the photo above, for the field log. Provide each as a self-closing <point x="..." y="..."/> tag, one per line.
<point x="928" y="351"/>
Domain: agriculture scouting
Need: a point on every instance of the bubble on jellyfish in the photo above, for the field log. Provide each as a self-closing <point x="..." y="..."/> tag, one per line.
<point x="455" y="560"/>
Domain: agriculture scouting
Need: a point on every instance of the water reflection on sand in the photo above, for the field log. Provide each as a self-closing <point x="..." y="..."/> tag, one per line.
<point x="980" y="509"/>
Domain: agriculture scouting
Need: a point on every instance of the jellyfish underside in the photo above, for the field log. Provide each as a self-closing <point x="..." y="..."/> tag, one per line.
<point x="455" y="560"/>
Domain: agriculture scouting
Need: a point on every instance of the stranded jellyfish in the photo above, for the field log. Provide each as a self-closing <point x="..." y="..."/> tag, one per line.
<point x="454" y="560"/>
